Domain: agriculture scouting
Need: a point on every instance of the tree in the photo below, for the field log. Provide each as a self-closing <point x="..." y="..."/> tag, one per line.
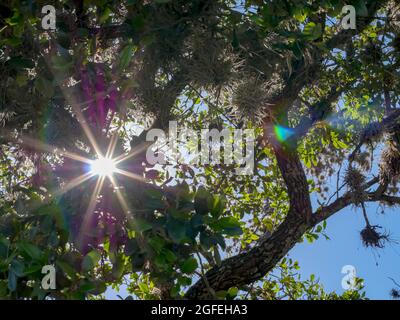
<point x="322" y="100"/>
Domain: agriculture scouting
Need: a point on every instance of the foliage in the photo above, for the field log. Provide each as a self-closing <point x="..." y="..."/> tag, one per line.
<point x="119" y="68"/>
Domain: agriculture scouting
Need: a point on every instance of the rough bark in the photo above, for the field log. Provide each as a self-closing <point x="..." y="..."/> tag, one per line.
<point x="254" y="264"/>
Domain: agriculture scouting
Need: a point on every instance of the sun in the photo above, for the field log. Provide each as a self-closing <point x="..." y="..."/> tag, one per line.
<point x="103" y="166"/>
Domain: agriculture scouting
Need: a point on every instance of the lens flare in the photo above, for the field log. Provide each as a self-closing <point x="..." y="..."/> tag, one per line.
<point x="103" y="167"/>
<point x="282" y="133"/>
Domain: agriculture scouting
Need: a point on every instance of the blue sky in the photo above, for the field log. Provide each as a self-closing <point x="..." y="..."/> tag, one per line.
<point x="325" y="258"/>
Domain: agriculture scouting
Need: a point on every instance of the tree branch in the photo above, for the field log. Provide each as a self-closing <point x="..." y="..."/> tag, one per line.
<point x="254" y="264"/>
<point x="324" y="213"/>
<point x="250" y="266"/>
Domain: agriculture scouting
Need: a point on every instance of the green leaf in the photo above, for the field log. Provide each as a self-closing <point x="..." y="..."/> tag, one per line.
<point x="131" y="247"/>
<point x="12" y="281"/>
<point x="184" y="281"/>
<point x="228" y="225"/>
<point x="176" y="230"/>
<point x="300" y="16"/>
<point x="66" y="268"/>
<point x="33" y="269"/>
<point x="140" y="225"/>
<point x="160" y="262"/>
<point x="154" y="199"/>
<point x="144" y="287"/>
<point x="217" y="256"/>
<point x="4" y="245"/>
<point x="206" y="240"/>
<point x="218" y="206"/>
<point x="12" y="41"/>
<point x="17" y="267"/>
<point x="361" y="8"/>
<point x="16" y="19"/>
<point x="221" y="294"/>
<point x="196" y="221"/>
<point x="182" y="191"/>
<point x="157" y="243"/>
<point x="91" y="260"/>
<point x="105" y="15"/>
<point x="175" y="290"/>
<point x="118" y="267"/>
<point x="62" y="64"/>
<point x="3" y="288"/>
<point x="126" y="56"/>
<point x="189" y="266"/>
<point x="20" y="63"/>
<point x="312" y="31"/>
<point x="233" y="291"/>
<point x="96" y="287"/>
<point x="202" y="200"/>
<point x="338" y="144"/>
<point x="169" y="255"/>
<point x="44" y="86"/>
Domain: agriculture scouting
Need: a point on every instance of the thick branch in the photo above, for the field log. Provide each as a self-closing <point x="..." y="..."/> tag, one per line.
<point x="376" y="129"/>
<point x="254" y="264"/>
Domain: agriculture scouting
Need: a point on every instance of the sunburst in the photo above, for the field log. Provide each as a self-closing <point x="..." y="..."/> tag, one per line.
<point x="102" y="167"/>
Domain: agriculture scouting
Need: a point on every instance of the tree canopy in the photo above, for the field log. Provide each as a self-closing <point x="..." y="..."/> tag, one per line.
<point x="323" y="101"/>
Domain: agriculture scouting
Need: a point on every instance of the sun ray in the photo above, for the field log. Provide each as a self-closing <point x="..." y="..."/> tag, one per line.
<point x="81" y="119"/>
<point x="120" y="197"/>
<point x="72" y="184"/>
<point x="60" y="191"/>
<point x="91" y="207"/>
<point x="112" y="146"/>
<point x="95" y="195"/>
<point x="83" y="123"/>
<point x="39" y="145"/>
<point x="130" y="175"/>
<point x="123" y="157"/>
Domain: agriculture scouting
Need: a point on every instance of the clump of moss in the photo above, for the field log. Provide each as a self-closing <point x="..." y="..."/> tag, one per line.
<point x="364" y="160"/>
<point x="371" y="237"/>
<point x="249" y="100"/>
<point x="395" y="294"/>
<point x="212" y="62"/>
<point x="251" y="97"/>
<point x="355" y="181"/>
<point x="389" y="167"/>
